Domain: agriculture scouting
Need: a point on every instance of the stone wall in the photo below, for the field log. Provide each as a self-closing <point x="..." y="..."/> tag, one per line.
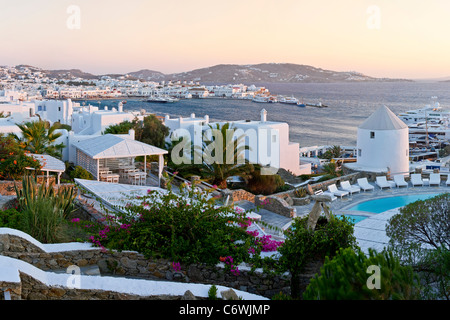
<point x="7" y="186"/>
<point x="276" y="204"/>
<point x="238" y="195"/>
<point x="32" y="289"/>
<point x="14" y="288"/>
<point x="133" y="264"/>
<point x="253" y="282"/>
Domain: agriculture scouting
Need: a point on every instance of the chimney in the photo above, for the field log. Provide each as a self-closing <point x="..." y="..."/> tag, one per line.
<point x="263" y="115"/>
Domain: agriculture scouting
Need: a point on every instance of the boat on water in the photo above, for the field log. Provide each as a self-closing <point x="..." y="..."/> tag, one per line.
<point x="288" y="100"/>
<point x="317" y="105"/>
<point x="273" y="99"/>
<point x="432" y="112"/>
<point x="261" y="99"/>
<point x="428" y="126"/>
<point x="161" y="99"/>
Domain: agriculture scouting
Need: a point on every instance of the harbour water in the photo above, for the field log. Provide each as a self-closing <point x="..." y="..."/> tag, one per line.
<point x="349" y="104"/>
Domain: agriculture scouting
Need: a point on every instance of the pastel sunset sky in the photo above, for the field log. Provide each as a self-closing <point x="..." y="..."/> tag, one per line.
<point x="381" y="38"/>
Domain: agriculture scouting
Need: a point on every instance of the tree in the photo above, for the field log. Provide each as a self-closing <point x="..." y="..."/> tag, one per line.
<point x="263" y="184"/>
<point x="39" y="137"/>
<point x="351" y="275"/>
<point x="304" y="245"/>
<point x="423" y="224"/>
<point x="333" y="152"/>
<point x="222" y="156"/>
<point x="120" y="128"/>
<point x="13" y="160"/>
<point x="420" y="237"/>
<point x="151" y="131"/>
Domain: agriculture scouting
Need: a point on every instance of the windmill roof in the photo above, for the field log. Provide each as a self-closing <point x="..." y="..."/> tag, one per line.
<point x="383" y="119"/>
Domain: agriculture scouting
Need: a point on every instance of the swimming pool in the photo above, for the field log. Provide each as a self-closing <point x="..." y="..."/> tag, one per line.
<point x="384" y="204"/>
<point x="353" y="218"/>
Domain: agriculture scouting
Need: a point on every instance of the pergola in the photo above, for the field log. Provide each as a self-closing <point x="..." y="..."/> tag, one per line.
<point x="112" y="151"/>
<point x="49" y="164"/>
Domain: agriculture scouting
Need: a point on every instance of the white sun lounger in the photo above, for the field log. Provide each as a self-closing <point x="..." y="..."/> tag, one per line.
<point x="334" y="190"/>
<point x="364" y="184"/>
<point x="326" y="193"/>
<point x="416" y="179"/>
<point x="435" y="179"/>
<point x="382" y="182"/>
<point x="346" y="186"/>
<point x="400" y="181"/>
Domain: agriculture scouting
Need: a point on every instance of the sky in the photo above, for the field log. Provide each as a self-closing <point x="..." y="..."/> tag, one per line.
<point x="380" y="38"/>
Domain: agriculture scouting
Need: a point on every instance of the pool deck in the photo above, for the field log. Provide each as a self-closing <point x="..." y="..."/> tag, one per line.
<point x="369" y="233"/>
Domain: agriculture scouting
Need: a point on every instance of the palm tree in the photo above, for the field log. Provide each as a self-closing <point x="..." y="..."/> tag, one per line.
<point x="223" y="155"/>
<point x="38" y="137"/>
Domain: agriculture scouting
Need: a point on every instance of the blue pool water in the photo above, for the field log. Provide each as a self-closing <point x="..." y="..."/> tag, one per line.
<point x="384" y="204"/>
<point x="354" y="218"/>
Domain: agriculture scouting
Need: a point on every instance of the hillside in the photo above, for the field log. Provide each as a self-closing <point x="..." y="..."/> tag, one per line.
<point x="229" y="73"/>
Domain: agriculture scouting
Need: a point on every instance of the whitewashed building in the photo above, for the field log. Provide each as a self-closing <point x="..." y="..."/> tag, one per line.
<point x="382" y="144"/>
<point x="268" y="140"/>
<point x="56" y="110"/>
<point x="92" y="121"/>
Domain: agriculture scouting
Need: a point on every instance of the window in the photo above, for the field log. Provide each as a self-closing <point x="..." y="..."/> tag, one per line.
<point x="372" y="135"/>
<point x="59" y="108"/>
<point x="359" y="152"/>
<point x="274" y="138"/>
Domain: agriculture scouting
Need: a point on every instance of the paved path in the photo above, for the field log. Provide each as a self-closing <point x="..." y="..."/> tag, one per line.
<point x="370" y="232"/>
<point x="268" y="217"/>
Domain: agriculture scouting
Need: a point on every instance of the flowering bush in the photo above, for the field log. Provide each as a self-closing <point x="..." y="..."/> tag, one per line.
<point x="185" y="227"/>
<point x="13" y="159"/>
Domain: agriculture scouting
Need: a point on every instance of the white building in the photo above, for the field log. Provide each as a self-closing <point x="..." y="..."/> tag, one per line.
<point x="199" y="92"/>
<point x="14" y="113"/>
<point x="382" y="144"/>
<point x="191" y="124"/>
<point x="92" y="121"/>
<point x="56" y="110"/>
<point x="268" y="140"/>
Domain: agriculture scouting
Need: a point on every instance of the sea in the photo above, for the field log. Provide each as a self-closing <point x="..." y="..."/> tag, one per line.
<point x="348" y="105"/>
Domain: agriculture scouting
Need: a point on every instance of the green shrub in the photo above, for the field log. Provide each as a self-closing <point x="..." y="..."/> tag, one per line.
<point x="352" y="275"/>
<point x="43" y="221"/>
<point x="303" y="245"/>
<point x="420" y="237"/>
<point x="185" y="227"/>
<point x="300" y="192"/>
<point x="10" y="218"/>
<point x="13" y="159"/>
<point x="80" y="173"/>
<point x="264" y="184"/>
<point x="212" y="293"/>
<point x="44" y="210"/>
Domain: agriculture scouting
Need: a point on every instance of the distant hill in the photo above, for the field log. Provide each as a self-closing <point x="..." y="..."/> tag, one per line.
<point x="231" y="73"/>
<point x="266" y="72"/>
<point x="148" y="75"/>
<point x="70" y="74"/>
